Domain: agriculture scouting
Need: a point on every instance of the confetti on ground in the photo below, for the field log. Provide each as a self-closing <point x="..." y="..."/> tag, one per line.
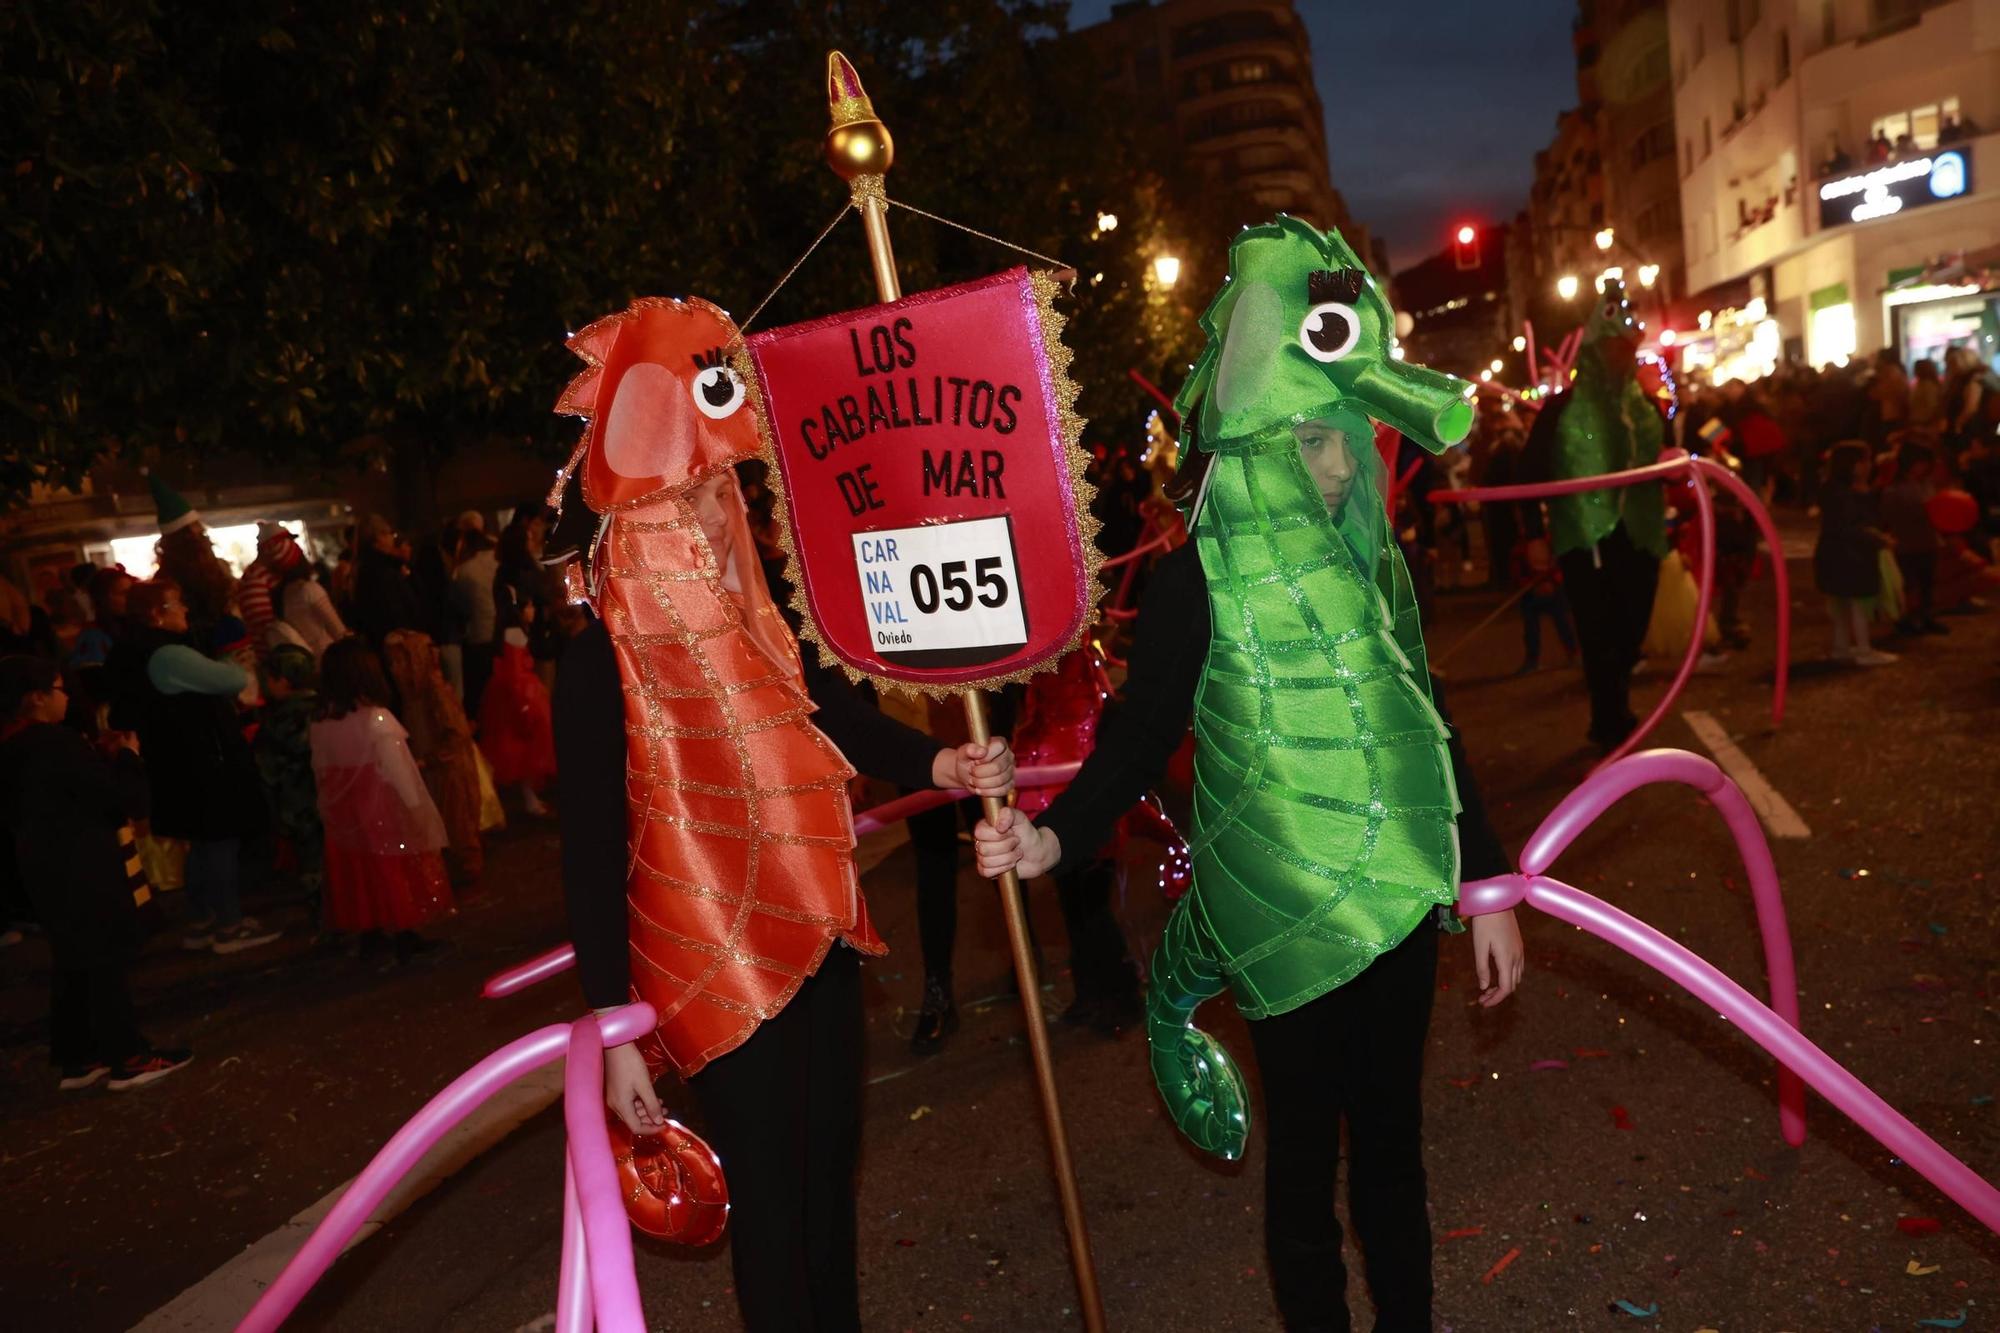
<point x="1582" y="1053"/>
<point x="1549" y="1064"/>
<point x="1915" y="1269"/>
<point x="920" y="1113"/>
<point x="1918" y="1226"/>
<point x="1620" y="1118"/>
<point x="1460" y="1233"/>
<point x="1950" y="1321"/>
<point x="1637" y="1311"/>
<point x="1501" y="1267"/>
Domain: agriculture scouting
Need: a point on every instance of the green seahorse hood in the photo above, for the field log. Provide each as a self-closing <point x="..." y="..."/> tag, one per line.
<point x="1299" y="326"/>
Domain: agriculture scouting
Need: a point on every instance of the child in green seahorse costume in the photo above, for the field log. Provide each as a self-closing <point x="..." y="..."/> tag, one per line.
<point x="1326" y="812"/>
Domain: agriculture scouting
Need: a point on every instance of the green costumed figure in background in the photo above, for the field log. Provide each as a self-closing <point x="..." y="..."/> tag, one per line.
<point x="1608" y="424"/>
<point x="1324" y="805"/>
<point x="1608" y="542"/>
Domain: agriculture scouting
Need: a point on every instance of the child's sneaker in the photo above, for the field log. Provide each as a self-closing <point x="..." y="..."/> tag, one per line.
<point x="245" y="934"/>
<point x="200" y="935"/>
<point x="1874" y="657"/>
<point x="82" y="1076"/>
<point x="147" y="1067"/>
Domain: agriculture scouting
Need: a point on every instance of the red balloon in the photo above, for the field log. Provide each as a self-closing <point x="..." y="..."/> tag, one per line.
<point x="1953" y="512"/>
<point x="672" y="1183"/>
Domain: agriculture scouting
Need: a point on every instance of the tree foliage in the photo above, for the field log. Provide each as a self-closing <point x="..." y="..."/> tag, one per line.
<point x="317" y="232"/>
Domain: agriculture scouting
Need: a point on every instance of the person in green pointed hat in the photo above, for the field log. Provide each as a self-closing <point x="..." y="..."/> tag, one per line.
<point x="187" y="556"/>
<point x="1334" y="814"/>
<point x="1608" y="543"/>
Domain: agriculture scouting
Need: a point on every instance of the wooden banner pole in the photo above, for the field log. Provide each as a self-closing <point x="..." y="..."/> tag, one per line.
<point x="859" y="150"/>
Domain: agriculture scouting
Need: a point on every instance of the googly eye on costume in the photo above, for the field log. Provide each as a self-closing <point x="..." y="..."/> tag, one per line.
<point x="718" y="392"/>
<point x="1329" y="331"/>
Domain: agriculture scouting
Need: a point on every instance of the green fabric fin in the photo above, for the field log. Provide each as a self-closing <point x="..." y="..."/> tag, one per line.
<point x="1203" y="1089"/>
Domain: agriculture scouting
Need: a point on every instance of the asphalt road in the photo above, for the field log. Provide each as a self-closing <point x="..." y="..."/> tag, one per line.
<point x="1646" y="1168"/>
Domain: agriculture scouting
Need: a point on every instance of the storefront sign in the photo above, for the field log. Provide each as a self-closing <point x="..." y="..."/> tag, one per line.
<point x="932" y="488"/>
<point x="1894" y="187"/>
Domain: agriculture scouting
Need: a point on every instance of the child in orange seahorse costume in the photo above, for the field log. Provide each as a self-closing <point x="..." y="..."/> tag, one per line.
<point x="708" y="843"/>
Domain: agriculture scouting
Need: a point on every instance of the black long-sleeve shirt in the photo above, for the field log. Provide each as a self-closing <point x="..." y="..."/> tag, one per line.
<point x="1140" y="734"/>
<point x="589" y="711"/>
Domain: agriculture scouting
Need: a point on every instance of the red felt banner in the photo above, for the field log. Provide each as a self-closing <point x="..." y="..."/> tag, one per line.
<point x="932" y="488"/>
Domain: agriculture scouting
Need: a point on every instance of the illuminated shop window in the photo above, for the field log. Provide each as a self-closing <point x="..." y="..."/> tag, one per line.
<point x="236" y="544"/>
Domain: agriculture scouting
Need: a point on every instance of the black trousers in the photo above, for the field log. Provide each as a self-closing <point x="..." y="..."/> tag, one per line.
<point x="934" y="841"/>
<point x="90" y="1008"/>
<point x="1356" y="1054"/>
<point x="1100" y="963"/>
<point x="478" y="660"/>
<point x="1919" y="585"/>
<point x="783" y="1110"/>
<point x="1610" y="589"/>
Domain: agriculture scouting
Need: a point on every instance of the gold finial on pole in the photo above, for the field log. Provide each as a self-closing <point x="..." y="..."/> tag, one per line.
<point x="859" y="150"/>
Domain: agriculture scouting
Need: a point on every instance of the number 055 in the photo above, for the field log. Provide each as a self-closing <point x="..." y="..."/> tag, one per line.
<point x="957" y="592"/>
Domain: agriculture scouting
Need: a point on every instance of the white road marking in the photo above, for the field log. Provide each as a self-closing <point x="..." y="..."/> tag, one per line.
<point x="1773" y="809"/>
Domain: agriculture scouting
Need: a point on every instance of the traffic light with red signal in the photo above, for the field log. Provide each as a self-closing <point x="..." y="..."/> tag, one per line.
<point x="1465" y="247"/>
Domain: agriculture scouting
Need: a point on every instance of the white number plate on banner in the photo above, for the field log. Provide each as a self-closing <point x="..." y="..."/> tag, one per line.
<point x="942" y="586"/>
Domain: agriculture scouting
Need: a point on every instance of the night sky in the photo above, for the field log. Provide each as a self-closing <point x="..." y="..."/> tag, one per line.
<point x="1434" y="108"/>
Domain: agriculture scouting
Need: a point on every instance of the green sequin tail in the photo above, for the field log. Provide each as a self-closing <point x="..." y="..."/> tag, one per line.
<point x="1202" y="1087"/>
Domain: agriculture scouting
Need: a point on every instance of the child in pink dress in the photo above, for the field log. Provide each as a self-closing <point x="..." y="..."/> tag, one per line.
<point x="385" y="870"/>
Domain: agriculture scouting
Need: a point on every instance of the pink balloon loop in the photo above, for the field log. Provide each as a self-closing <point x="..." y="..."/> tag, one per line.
<point x="1612" y="783"/>
<point x="1775" y="1027"/>
<point x="423" y="1131"/>
<point x="592" y="1180"/>
<point x="1827" y="1076"/>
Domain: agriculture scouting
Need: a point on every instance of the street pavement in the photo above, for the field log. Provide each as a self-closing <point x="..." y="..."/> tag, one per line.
<point x="1600" y="1139"/>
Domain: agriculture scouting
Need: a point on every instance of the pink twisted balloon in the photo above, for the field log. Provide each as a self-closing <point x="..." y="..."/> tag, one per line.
<point x="1776" y="1030"/>
<point x="607" y="1248"/>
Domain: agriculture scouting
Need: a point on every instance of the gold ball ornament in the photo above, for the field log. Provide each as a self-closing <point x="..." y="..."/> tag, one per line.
<point x="862" y="148"/>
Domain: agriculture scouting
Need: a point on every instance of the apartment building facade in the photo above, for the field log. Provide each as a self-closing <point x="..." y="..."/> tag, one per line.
<point x="1839" y="178"/>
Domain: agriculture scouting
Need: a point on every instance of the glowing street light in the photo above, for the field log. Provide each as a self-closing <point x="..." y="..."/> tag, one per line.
<point x="1566" y="286"/>
<point x="1166" y="270"/>
<point x="1605" y="238"/>
<point x="1107" y="222"/>
<point x="1466" y="235"/>
<point x="1648" y="274"/>
<point x="1520" y="342"/>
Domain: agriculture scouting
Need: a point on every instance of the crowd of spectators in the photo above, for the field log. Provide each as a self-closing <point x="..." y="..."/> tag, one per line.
<point x="331" y="738"/>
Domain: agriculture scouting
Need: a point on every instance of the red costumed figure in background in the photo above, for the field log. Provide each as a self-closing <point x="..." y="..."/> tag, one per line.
<point x="707" y="838"/>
